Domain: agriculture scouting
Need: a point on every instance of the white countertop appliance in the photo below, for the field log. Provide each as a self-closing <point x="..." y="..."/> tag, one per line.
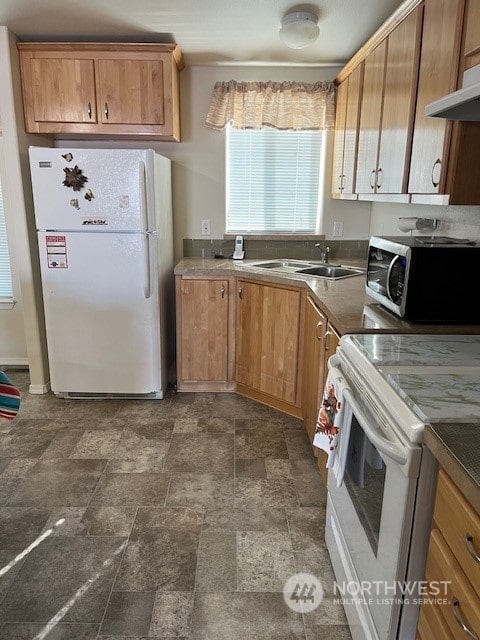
<point x="104" y="225"/>
<point x="424" y="279"/>
<point x="380" y="502"/>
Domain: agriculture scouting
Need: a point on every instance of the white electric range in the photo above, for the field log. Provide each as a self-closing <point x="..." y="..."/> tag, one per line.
<point x="380" y="504"/>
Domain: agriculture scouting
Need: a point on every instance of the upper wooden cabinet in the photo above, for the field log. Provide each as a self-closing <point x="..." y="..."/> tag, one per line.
<point x="403" y="52"/>
<point x="444" y="153"/>
<point x="387" y="110"/>
<point x="403" y="155"/>
<point x="349" y="94"/>
<point x="370" y="120"/>
<point x="471" y="47"/>
<point x="437" y="77"/>
<point x="108" y="89"/>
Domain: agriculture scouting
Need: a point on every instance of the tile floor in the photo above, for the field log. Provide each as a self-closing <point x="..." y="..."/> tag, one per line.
<point x="180" y="518"/>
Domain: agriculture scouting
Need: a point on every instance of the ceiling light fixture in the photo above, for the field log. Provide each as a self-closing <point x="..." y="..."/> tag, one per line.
<point x="299" y="29"/>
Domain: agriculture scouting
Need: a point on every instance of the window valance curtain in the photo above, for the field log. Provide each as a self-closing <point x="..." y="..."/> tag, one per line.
<point x="282" y="105"/>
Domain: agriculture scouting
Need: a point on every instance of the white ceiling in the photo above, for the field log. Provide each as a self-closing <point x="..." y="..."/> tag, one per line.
<point x="208" y="31"/>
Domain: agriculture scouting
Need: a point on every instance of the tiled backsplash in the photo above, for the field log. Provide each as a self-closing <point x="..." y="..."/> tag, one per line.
<point x="257" y="249"/>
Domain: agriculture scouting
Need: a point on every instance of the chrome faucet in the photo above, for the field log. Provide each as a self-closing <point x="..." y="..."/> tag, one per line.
<point x="325" y="254"/>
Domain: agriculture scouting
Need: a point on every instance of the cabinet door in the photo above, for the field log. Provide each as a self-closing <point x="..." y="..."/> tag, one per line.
<point x="398" y="105"/>
<point x="131" y="91"/>
<point x="437" y="77"/>
<point x="352" y="116"/>
<point x="313" y="363"/>
<point x="444" y="570"/>
<point x="330" y="344"/>
<point x="63" y="90"/>
<point x="370" y="120"/>
<point x="267" y="339"/>
<point x="340" y="115"/>
<point x="472" y="34"/>
<point x="204" y="330"/>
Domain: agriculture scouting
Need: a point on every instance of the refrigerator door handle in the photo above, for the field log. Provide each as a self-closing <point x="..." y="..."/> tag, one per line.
<point x="142" y="182"/>
<point x="148" y="284"/>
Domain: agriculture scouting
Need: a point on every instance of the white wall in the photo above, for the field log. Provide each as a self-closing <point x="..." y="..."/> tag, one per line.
<point x="20" y="222"/>
<point x="13" y="346"/>
<point x="455" y="221"/>
<point x="200" y="190"/>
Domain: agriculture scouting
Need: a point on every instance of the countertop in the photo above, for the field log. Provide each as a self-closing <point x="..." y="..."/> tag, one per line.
<point x="456" y="446"/>
<point x="345" y="303"/>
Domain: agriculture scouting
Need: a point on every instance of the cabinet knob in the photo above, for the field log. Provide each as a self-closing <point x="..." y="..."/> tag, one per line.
<point x="458" y="617"/>
<point x="222" y="290"/>
<point x="89" y="110"/>
<point x="105" y="110"/>
<point x="437" y="165"/>
<point x="318" y="337"/>
<point x="470" y="548"/>
<point x="372" y="179"/>
<point x="240" y="292"/>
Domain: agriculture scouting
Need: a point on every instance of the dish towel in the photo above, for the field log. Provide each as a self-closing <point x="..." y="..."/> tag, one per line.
<point x="9" y="398"/>
<point x="333" y="427"/>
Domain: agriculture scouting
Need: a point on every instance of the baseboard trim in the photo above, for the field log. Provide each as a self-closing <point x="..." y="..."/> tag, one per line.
<point x="39" y="389"/>
<point x="14" y="362"/>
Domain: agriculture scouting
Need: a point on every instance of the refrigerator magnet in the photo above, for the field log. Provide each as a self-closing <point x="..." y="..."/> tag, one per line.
<point x="74" y="178"/>
<point x="67" y="156"/>
<point x="89" y="195"/>
<point x="74" y="203"/>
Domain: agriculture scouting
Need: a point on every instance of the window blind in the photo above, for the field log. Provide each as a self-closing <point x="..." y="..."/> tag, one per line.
<point x="6" y="292"/>
<point x="273" y="180"/>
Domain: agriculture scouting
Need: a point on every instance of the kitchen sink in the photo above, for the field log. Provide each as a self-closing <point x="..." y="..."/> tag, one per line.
<point x="283" y="265"/>
<point x="309" y="268"/>
<point x="331" y="271"/>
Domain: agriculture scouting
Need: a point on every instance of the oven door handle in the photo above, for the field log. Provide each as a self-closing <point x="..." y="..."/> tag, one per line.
<point x="391" y="450"/>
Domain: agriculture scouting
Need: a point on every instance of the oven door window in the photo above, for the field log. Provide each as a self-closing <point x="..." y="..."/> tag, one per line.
<point x="386" y="273"/>
<point x="365" y="481"/>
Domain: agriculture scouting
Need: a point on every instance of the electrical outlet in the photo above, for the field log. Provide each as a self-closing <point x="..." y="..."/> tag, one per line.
<point x="205" y="227"/>
<point x="337" y="228"/>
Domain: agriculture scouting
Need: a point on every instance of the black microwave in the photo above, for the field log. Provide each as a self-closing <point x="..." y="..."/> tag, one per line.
<point x="425" y="279"/>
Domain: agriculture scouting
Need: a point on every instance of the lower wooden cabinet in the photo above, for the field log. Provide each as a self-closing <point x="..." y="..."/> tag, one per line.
<point x="204" y="326"/>
<point x="266" y="341"/>
<point x="454" y="561"/>
<point x="267" y="344"/>
<point x="331" y="340"/>
<point x="313" y="364"/>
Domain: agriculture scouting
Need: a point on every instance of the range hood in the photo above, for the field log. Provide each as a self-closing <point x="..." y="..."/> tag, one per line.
<point x="463" y="104"/>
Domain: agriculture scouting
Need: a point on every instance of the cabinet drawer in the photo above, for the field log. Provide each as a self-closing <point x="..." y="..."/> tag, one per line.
<point x="460" y="526"/>
<point x="443" y="568"/>
<point x="431" y="624"/>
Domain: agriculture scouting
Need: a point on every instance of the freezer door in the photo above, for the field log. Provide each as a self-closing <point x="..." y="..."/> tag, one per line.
<point x="102" y="313"/>
<point x="93" y="189"/>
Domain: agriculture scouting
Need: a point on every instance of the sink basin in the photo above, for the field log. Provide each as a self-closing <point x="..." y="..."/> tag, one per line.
<point x="331" y="271"/>
<point x="309" y="268"/>
<point x="284" y="265"/>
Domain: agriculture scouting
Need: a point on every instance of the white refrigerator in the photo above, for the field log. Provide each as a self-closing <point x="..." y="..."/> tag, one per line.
<point x="104" y="225"/>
